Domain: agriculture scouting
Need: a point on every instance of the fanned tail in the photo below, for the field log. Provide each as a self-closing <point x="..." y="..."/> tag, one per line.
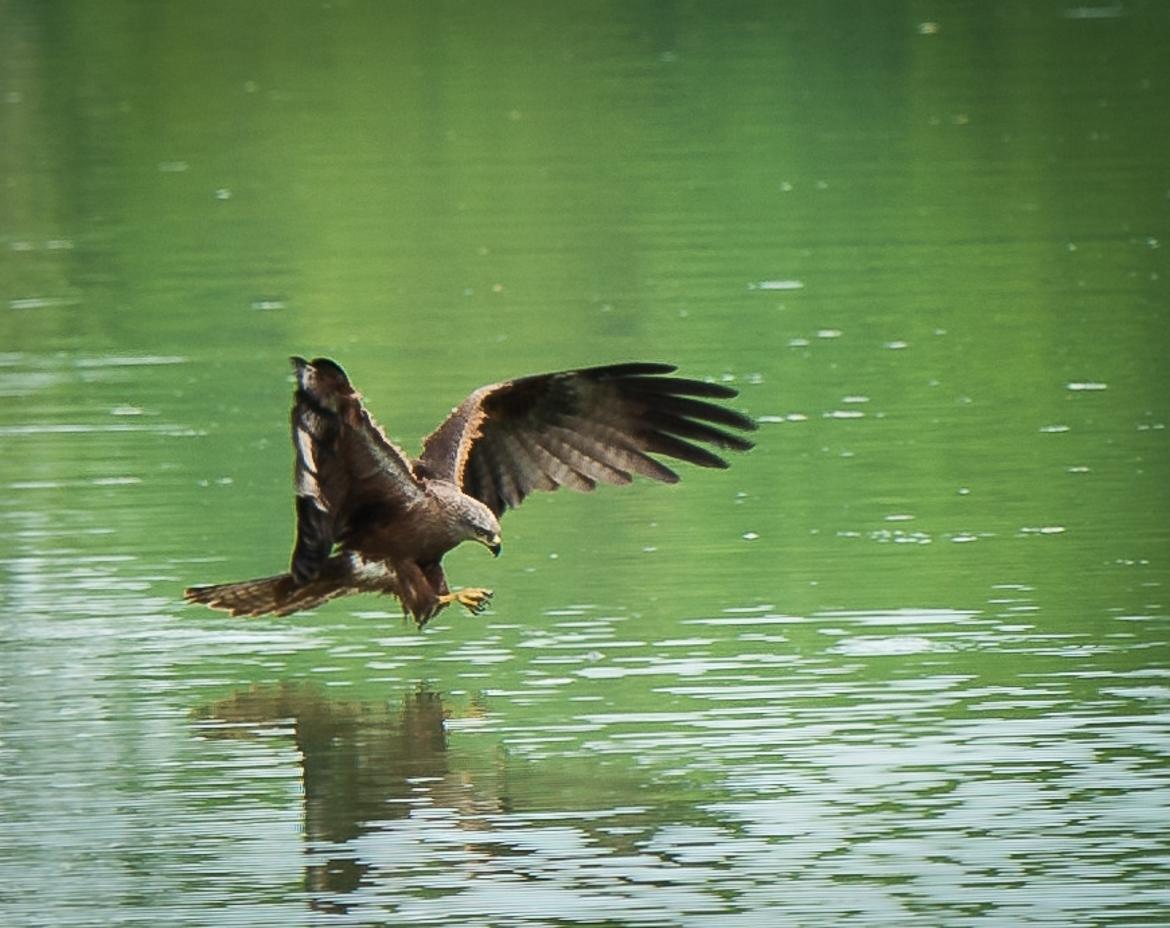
<point x="282" y="595"/>
<point x="279" y="595"/>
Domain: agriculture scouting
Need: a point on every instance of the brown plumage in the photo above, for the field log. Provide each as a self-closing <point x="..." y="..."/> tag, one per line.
<point x="369" y="519"/>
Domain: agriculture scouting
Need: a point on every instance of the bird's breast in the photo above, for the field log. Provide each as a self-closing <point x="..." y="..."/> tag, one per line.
<point x="420" y="533"/>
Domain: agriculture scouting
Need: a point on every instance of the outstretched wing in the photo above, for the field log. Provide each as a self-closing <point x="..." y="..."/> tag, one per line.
<point x="580" y="428"/>
<point x="347" y="473"/>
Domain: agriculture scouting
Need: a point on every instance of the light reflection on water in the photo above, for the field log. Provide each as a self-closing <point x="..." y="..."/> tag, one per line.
<point x="925" y="795"/>
<point x="837" y="766"/>
<point x="817" y="778"/>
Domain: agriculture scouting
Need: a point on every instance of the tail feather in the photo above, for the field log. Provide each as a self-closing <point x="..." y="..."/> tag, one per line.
<point x="279" y="595"/>
<point x="343" y="573"/>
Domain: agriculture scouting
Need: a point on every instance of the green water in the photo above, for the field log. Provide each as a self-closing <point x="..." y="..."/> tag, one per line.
<point x="906" y="663"/>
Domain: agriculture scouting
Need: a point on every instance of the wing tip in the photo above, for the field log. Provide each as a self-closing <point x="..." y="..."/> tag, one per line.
<point x="322" y="364"/>
<point x="320" y="377"/>
<point x="630" y="369"/>
<point x="729" y="442"/>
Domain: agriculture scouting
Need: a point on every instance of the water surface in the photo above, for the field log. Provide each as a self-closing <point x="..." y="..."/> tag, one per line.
<point x="906" y="663"/>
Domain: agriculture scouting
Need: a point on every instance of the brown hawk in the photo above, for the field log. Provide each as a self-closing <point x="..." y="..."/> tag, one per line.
<point x="370" y="519"/>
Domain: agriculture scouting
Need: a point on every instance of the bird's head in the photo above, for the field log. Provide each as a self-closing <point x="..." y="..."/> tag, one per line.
<point x="480" y="524"/>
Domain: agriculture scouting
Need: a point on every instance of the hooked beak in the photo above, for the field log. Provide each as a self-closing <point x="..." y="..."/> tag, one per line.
<point x="493" y="545"/>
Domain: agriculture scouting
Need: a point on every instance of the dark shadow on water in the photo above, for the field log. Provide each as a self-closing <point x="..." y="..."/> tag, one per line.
<point x="362" y="763"/>
<point x="373" y="772"/>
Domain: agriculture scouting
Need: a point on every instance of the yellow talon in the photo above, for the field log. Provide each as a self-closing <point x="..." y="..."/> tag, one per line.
<point x="473" y="599"/>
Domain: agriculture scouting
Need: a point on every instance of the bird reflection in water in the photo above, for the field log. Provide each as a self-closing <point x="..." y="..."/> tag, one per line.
<point x="361" y="763"/>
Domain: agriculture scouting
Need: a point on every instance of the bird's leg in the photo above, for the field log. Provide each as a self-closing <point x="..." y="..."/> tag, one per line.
<point x="473" y="599"/>
<point x="418" y="592"/>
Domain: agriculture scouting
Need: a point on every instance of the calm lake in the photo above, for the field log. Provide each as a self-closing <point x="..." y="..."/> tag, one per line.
<point x="906" y="663"/>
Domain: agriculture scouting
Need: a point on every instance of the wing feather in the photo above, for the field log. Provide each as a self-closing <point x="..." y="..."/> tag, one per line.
<point x="665" y="443"/>
<point x="525" y="472"/>
<point x="346" y="468"/>
<point x="710" y="412"/>
<point x="556" y="467"/>
<point x="680" y="386"/>
<point x="683" y="427"/>
<point x="616" y="448"/>
<point x="480" y="482"/>
<point x="497" y="477"/>
<point x="585" y="455"/>
<point x="581" y="427"/>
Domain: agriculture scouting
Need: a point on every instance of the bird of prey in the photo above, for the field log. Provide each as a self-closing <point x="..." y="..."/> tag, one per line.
<point x="371" y="519"/>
